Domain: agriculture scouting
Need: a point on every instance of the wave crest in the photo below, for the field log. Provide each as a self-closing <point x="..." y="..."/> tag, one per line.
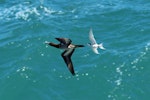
<point x="25" y="12"/>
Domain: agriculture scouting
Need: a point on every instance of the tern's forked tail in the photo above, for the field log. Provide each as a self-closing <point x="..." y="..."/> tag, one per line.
<point x="101" y="46"/>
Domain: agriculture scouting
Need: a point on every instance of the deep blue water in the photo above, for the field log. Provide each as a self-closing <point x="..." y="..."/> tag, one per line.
<point x="31" y="70"/>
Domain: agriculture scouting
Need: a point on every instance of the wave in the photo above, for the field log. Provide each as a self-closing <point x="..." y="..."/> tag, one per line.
<point x="26" y="11"/>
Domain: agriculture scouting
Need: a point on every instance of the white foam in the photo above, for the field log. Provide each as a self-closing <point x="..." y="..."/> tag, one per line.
<point x="61" y="76"/>
<point x="142" y="54"/>
<point x="118" y="82"/>
<point x="24" y="11"/>
<point x="118" y="70"/>
<point x="86" y="74"/>
<point x="78" y="79"/>
<point x="23" y="69"/>
<point x="42" y="54"/>
<point x="48" y="10"/>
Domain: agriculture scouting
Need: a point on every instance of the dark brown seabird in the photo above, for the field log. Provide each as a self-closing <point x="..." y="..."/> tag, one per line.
<point x="69" y="48"/>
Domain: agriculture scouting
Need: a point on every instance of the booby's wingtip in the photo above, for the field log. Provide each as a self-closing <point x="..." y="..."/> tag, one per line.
<point x="73" y="74"/>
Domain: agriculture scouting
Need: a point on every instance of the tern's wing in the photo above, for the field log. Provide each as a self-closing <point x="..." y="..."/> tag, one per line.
<point x="91" y="37"/>
<point x="67" y="58"/>
<point x="95" y="50"/>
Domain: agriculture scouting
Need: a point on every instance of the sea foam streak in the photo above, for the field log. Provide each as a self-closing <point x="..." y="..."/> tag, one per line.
<point x="25" y="12"/>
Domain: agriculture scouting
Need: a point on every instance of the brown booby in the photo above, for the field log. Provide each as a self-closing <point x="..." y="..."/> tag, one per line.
<point x="69" y="48"/>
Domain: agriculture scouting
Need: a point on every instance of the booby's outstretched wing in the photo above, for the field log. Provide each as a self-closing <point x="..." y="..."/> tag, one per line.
<point x="64" y="40"/>
<point x="67" y="58"/>
<point x="91" y="37"/>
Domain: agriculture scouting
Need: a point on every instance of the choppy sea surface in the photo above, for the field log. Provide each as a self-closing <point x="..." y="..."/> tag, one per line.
<point x="31" y="70"/>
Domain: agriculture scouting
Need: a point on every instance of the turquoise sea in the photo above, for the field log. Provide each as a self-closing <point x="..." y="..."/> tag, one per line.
<point x="31" y="70"/>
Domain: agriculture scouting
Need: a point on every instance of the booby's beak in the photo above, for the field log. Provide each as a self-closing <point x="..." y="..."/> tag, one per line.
<point x="46" y="42"/>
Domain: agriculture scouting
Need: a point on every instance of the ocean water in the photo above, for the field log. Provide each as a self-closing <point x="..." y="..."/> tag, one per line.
<point x="31" y="70"/>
